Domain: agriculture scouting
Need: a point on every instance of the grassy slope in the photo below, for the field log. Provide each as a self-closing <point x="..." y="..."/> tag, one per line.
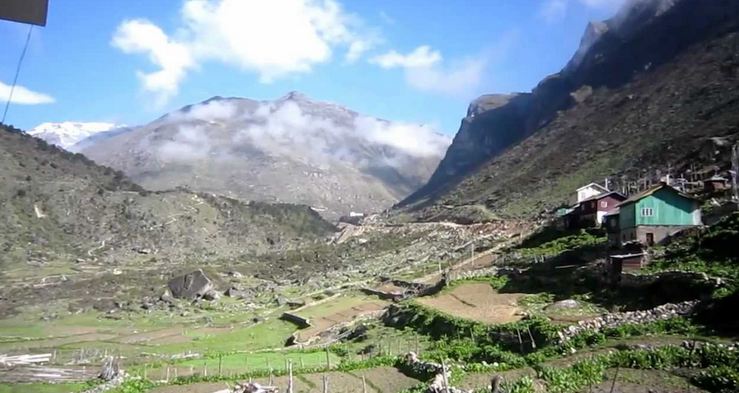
<point x="81" y="204"/>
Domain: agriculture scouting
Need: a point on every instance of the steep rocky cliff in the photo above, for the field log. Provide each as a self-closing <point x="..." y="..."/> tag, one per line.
<point x="641" y="85"/>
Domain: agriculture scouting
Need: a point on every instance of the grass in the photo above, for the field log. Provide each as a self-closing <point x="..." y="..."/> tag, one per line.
<point x="41" y="387"/>
<point x="256" y="362"/>
<point x="555" y="242"/>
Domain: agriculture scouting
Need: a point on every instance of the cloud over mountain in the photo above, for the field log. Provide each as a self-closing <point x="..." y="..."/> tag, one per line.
<point x="273" y="39"/>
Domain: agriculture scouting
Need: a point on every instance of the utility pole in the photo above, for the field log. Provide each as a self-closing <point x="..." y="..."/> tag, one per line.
<point x="735" y="171"/>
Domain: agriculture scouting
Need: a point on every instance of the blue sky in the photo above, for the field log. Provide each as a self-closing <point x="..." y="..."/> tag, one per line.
<point x="130" y="61"/>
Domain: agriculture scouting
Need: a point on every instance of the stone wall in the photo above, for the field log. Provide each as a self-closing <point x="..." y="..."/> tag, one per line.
<point x="614" y="320"/>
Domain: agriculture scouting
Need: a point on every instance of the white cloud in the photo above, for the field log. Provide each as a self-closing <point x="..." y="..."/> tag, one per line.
<point x="458" y="78"/>
<point x="426" y="70"/>
<point x="413" y="139"/>
<point x="423" y="56"/>
<point x="286" y="128"/>
<point x="555" y="10"/>
<point x="191" y="143"/>
<point x="273" y="38"/>
<point x="24" y="96"/>
<point x="173" y="58"/>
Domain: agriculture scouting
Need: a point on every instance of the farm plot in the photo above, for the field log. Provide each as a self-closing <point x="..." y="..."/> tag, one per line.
<point x="379" y="380"/>
<point x="476" y="301"/>
<point x="337" y="312"/>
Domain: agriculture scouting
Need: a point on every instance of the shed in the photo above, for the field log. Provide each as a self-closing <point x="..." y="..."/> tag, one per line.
<point x="716" y="183"/>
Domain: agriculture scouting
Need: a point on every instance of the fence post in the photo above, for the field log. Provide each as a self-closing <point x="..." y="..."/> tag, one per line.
<point x="364" y="384"/>
<point x="328" y="360"/>
<point x="290" y="377"/>
<point x="325" y="383"/>
<point x="444" y="376"/>
<point x="613" y="384"/>
<point x="220" y="364"/>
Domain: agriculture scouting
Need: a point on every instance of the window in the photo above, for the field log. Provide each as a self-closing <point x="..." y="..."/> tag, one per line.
<point x="603" y="203"/>
<point x="647" y="212"/>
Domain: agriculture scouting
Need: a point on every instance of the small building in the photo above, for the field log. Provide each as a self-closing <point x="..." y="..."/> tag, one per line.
<point x="628" y="262"/>
<point x="593" y="209"/>
<point x="716" y="183"/>
<point x="613" y="231"/>
<point x="657" y="213"/>
<point x="590" y="190"/>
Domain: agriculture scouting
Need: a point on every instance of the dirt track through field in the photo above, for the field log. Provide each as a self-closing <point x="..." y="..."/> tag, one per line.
<point x="476" y="301"/>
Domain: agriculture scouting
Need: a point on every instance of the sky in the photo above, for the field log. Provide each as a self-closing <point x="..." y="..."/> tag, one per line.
<point x="418" y="61"/>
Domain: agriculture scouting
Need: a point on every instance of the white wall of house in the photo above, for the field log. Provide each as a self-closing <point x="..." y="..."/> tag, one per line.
<point x="587" y="192"/>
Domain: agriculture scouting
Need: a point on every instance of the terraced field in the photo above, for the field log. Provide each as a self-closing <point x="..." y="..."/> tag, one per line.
<point x="476" y="301"/>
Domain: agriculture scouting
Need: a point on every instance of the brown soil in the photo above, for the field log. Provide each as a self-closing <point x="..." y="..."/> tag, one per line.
<point x="203" y="387"/>
<point x="319" y="325"/>
<point x="386" y="379"/>
<point x="477" y="301"/>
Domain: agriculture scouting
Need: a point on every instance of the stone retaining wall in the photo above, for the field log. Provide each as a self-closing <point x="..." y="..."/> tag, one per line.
<point x="614" y="320"/>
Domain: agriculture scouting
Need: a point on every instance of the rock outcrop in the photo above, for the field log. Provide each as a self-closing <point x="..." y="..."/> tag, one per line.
<point x="193" y="285"/>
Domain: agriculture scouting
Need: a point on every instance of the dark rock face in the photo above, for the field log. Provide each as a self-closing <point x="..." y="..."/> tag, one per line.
<point x="191" y="285"/>
<point x="642" y="36"/>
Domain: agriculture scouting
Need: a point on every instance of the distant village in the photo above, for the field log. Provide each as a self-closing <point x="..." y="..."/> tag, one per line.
<point x="635" y="222"/>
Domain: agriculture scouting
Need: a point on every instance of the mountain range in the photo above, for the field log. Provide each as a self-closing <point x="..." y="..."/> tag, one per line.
<point x="648" y="90"/>
<point x="293" y="150"/>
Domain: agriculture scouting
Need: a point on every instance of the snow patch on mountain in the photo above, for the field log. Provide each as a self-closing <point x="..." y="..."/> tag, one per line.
<point x="67" y="134"/>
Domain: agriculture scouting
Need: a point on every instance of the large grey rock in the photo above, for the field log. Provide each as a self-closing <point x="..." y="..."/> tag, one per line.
<point x="191" y="285"/>
<point x="567" y="303"/>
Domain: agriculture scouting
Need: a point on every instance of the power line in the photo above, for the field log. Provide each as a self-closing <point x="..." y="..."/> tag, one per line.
<point x="17" y="71"/>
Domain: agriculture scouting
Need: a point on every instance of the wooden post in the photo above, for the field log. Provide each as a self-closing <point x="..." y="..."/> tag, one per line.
<point x="290" y="377"/>
<point x="205" y="368"/>
<point x="520" y="342"/>
<point x="613" y="384"/>
<point x="325" y="383"/>
<point x="167" y="379"/>
<point x="271" y="377"/>
<point x="220" y="364"/>
<point x="328" y="360"/>
<point x="444" y="376"/>
<point x="735" y="171"/>
<point x="364" y="384"/>
<point x="531" y="337"/>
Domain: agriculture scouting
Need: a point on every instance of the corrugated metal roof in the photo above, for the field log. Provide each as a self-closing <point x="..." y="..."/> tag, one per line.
<point x="603" y="195"/>
<point x="651" y="191"/>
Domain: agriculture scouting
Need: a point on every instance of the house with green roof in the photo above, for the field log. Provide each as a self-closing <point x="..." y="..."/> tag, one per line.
<point x="655" y="214"/>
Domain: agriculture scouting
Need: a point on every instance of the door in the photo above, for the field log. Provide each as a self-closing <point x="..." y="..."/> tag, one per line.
<point x="650" y="239"/>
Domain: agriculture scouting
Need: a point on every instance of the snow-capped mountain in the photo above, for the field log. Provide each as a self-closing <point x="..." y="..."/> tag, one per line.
<point x="68" y="133"/>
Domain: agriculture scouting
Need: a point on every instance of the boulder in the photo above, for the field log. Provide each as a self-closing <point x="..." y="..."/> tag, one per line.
<point x="192" y="285"/>
<point x="567" y="303"/>
<point x="211" y="295"/>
